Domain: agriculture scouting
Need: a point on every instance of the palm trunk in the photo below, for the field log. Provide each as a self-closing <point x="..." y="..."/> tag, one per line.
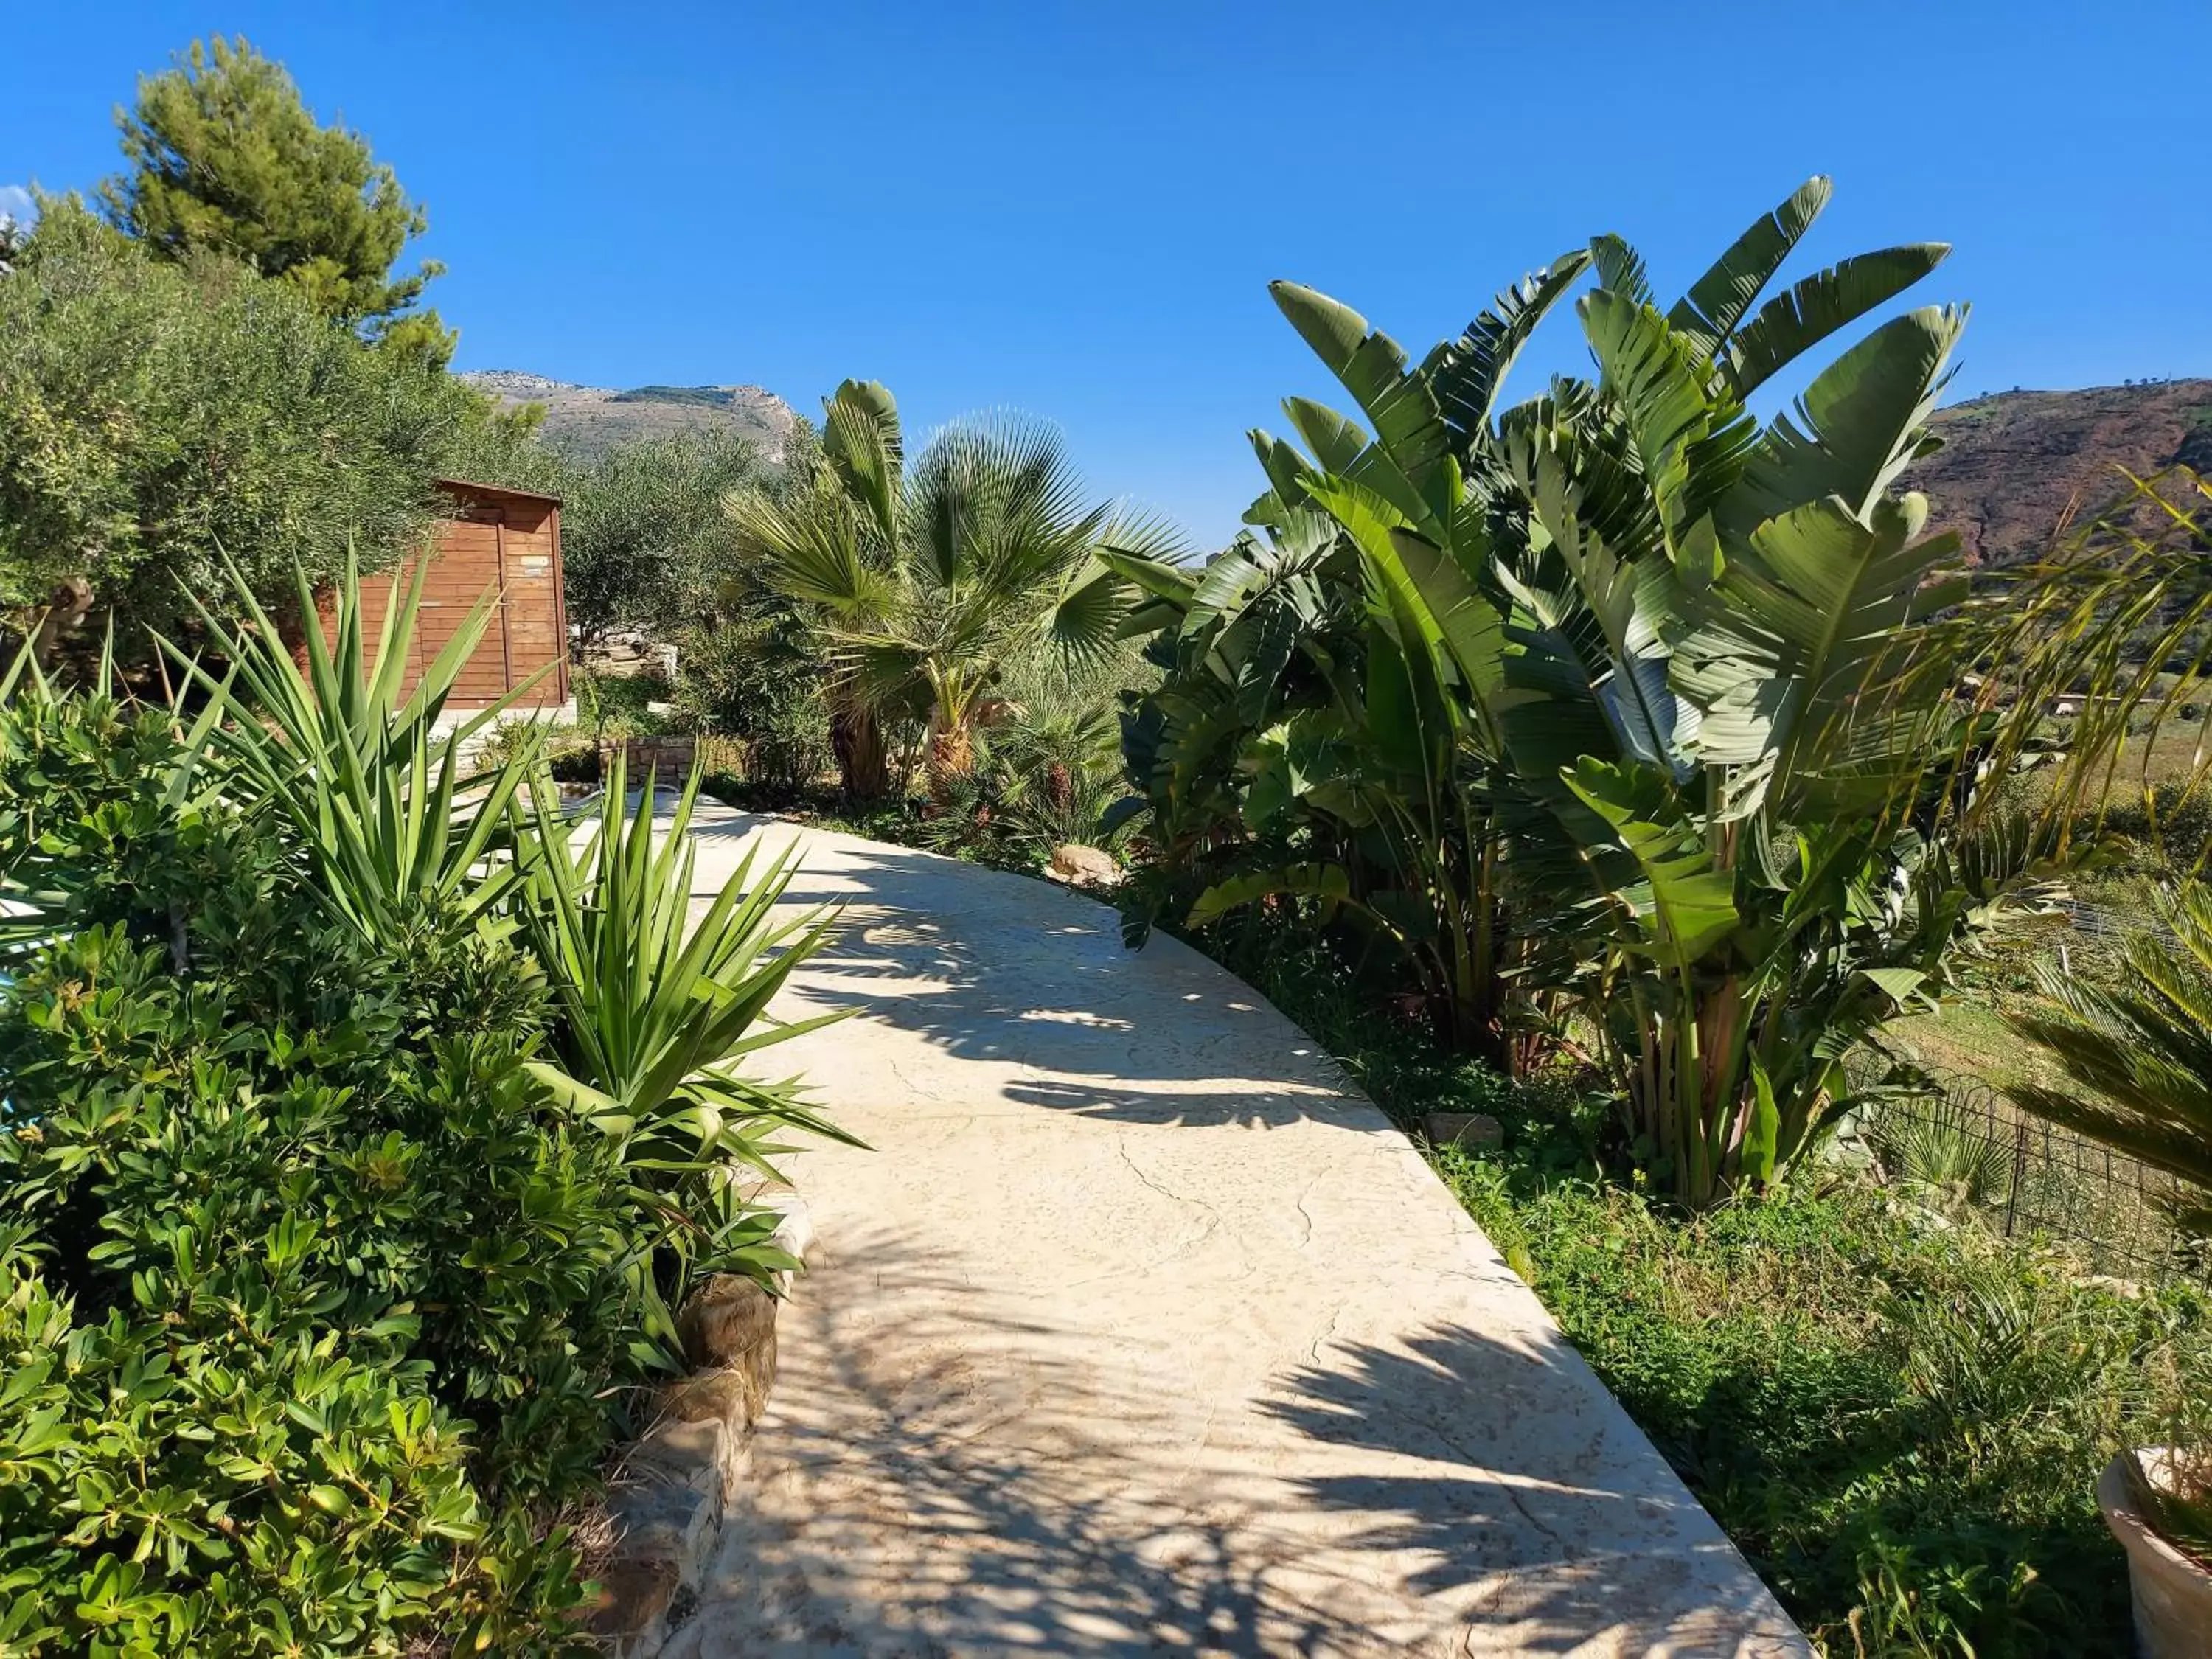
<point x="863" y="765"/>
<point x="951" y="759"/>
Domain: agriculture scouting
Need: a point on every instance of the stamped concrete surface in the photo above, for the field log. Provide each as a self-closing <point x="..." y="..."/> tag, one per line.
<point x="1139" y="1331"/>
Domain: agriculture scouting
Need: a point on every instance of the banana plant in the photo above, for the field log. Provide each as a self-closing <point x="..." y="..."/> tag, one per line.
<point x="1303" y="745"/>
<point x="1350" y="727"/>
<point x="1637" y="678"/>
<point x="1744" y="659"/>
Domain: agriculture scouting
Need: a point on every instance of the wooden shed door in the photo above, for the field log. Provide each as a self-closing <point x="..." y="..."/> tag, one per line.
<point x="530" y="635"/>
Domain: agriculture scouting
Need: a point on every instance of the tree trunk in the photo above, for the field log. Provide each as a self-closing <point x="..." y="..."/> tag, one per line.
<point x="951" y="757"/>
<point x="67" y="606"/>
<point x="863" y="766"/>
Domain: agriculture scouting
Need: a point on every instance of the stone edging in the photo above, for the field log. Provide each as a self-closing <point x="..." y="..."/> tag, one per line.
<point x="665" y="1503"/>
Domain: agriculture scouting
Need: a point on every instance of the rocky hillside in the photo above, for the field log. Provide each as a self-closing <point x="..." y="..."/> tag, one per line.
<point x="589" y="419"/>
<point x="2015" y="463"/>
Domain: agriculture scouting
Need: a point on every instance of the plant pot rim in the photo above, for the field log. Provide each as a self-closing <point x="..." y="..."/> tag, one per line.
<point x="2128" y="1526"/>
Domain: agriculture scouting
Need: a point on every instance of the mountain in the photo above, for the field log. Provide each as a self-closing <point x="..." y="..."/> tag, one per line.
<point x="589" y="419"/>
<point x="2015" y="463"/>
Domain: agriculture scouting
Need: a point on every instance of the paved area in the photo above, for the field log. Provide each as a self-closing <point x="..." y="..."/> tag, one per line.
<point x="1139" y="1331"/>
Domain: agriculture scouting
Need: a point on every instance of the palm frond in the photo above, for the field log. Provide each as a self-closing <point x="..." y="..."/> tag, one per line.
<point x="1620" y="269"/>
<point x="863" y="443"/>
<point x="1469" y="375"/>
<point x="1858" y="425"/>
<point x="1791" y="324"/>
<point x="2140" y="1056"/>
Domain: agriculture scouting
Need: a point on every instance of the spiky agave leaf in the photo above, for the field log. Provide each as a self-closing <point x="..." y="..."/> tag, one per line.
<point x="386" y="805"/>
<point x="658" y="1006"/>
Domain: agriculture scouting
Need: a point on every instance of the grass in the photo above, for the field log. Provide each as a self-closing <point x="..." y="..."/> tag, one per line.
<point x="1970" y="1038"/>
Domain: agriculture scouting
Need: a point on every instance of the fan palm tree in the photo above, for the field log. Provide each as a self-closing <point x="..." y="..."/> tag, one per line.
<point x="927" y="578"/>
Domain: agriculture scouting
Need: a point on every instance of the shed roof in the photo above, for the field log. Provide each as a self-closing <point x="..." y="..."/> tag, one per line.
<point x="469" y="486"/>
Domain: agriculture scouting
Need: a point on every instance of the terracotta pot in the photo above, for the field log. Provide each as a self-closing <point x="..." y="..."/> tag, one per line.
<point x="2172" y="1593"/>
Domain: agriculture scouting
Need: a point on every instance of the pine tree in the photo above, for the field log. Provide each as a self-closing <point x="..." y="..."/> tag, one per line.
<point x="223" y="154"/>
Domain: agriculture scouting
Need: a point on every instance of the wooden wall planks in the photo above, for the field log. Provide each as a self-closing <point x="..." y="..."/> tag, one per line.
<point x="496" y="542"/>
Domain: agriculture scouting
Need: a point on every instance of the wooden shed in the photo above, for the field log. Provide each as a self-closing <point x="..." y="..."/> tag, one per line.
<point x="491" y="539"/>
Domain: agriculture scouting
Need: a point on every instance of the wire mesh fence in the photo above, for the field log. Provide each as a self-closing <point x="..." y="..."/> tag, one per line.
<point x="1958" y="1146"/>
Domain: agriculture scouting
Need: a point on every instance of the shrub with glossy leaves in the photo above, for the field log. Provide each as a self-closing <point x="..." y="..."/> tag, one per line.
<point x="310" y="1303"/>
<point x="322" y="1298"/>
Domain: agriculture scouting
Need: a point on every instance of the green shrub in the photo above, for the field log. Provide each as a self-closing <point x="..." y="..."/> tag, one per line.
<point x="329" y="1267"/>
<point x="156" y="417"/>
<point x="1901" y="1428"/>
<point x="620" y="705"/>
<point x="757" y="680"/>
<point x="81" y="835"/>
<point x="254" y="1388"/>
<point x="642" y="530"/>
<point x="1044" y="776"/>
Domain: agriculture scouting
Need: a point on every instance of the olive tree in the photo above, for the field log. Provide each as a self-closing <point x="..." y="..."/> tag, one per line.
<point x="155" y="414"/>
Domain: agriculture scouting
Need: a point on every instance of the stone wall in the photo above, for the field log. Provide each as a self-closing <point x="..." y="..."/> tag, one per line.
<point x="666" y="1501"/>
<point x="667" y="759"/>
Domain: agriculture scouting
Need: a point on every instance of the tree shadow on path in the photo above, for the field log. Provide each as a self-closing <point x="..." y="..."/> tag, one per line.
<point x="1569" y="1531"/>
<point x="940" y="1475"/>
<point x="991" y="966"/>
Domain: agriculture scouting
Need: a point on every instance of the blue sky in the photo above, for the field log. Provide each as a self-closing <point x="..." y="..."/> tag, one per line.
<point x="1075" y="209"/>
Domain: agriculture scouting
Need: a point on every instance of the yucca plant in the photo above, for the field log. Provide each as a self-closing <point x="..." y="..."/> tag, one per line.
<point x="656" y="1005"/>
<point x="388" y="810"/>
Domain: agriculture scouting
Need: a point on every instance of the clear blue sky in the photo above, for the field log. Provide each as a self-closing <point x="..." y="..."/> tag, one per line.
<point x="1075" y="210"/>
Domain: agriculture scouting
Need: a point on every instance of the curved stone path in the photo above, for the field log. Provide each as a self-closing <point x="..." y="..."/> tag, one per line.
<point x="1139" y="1331"/>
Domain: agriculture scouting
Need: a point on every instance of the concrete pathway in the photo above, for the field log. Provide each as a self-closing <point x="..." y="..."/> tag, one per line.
<point x="1139" y="1331"/>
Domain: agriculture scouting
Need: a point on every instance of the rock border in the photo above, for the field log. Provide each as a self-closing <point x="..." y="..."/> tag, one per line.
<point x="666" y="1504"/>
